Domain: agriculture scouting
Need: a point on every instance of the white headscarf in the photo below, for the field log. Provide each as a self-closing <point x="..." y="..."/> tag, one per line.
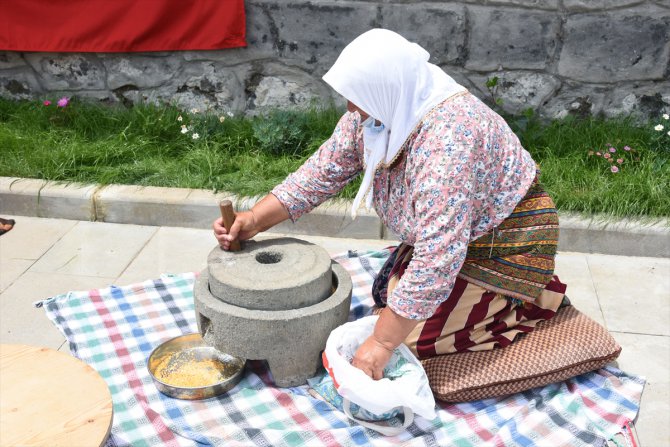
<point x="390" y="79"/>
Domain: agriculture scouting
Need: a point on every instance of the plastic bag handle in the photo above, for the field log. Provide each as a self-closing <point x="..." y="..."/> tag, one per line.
<point x="386" y="430"/>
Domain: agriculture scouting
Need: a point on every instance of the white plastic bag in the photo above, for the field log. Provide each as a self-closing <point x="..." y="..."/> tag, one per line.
<point x="403" y="388"/>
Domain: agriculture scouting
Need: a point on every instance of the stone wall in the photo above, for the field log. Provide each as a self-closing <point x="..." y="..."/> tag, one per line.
<point x="555" y="56"/>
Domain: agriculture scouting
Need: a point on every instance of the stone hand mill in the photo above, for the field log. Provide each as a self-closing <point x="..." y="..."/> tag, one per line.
<point x="275" y="300"/>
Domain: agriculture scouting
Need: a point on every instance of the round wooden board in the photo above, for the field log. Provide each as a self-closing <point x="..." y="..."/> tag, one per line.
<point x="49" y="398"/>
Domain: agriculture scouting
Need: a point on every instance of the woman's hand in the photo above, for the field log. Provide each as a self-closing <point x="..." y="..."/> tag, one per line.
<point x="371" y="357"/>
<point x="375" y="352"/>
<point x="244" y="227"/>
<point x="265" y="214"/>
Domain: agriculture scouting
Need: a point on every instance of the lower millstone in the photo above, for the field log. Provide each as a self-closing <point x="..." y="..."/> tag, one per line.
<point x="290" y="340"/>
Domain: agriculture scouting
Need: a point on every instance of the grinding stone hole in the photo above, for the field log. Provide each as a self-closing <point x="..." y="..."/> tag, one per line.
<point x="268" y="257"/>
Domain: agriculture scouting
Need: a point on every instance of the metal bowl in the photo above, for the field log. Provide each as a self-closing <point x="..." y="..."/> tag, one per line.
<point x="168" y="362"/>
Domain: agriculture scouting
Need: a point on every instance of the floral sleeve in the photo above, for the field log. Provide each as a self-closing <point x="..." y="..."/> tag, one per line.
<point x="439" y="173"/>
<point x="326" y="172"/>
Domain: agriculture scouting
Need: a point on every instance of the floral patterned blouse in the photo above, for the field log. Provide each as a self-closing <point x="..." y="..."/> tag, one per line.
<point x="460" y="174"/>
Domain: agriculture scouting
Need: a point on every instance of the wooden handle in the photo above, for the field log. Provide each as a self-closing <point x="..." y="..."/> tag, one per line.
<point x="228" y="218"/>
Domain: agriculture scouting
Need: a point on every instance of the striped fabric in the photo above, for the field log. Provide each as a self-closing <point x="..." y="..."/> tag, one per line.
<point x="479" y="320"/>
<point x="472" y="318"/>
<point x="516" y="259"/>
<point x="115" y="329"/>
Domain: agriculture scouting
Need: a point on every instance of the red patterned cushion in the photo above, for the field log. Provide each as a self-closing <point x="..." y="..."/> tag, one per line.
<point x="565" y="346"/>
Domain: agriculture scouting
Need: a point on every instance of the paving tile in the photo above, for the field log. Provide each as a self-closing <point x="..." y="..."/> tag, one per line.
<point x="645" y="355"/>
<point x="31" y="237"/>
<point x="649" y="356"/>
<point x="11" y="270"/>
<point x="573" y="270"/>
<point x="170" y="250"/>
<point x="633" y="292"/>
<point x="95" y="249"/>
<point x="21" y="322"/>
<point x="653" y="422"/>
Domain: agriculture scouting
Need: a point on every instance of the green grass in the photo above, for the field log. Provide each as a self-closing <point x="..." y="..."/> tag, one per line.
<point x="144" y="145"/>
<point x="583" y="183"/>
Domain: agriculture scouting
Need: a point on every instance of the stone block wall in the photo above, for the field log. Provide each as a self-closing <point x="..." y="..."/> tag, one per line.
<point x="558" y="57"/>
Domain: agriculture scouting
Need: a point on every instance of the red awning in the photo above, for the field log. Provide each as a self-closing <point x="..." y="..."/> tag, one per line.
<point x="121" y="25"/>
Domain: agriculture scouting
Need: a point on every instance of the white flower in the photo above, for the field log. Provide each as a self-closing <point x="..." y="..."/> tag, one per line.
<point x="669" y="133"/>
<point x="222" y="118"/>
<point x="659" y="127"/>
<point x="184" y="129"/>
<point x="179" y="118"/>
<point x="194" y="111"/>
<point x="230" y="114"/>
<point x="666" y="116"/>
<point x="195" y="136"/>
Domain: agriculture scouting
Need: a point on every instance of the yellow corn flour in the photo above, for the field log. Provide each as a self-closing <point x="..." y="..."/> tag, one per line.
<point x="190" y="372"/>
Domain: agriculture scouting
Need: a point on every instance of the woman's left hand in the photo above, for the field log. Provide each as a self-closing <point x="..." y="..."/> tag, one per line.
<point x="371" y="358"/>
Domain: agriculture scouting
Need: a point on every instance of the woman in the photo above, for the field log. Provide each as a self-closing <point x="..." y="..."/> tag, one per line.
<point x="448" y="176"/>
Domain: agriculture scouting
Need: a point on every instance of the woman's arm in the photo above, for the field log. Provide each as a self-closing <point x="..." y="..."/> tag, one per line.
<point x="326" y="172"/>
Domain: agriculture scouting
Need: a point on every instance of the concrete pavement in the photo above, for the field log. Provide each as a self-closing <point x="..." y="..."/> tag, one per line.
<point x="42" y="257"/>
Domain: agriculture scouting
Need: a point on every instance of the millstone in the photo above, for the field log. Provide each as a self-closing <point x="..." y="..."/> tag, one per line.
<point x="290" y="325"/>
<point x="274" y="274"/>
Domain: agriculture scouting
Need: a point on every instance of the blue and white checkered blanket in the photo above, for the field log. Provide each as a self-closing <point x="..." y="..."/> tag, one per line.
<point x="116" y="328"/>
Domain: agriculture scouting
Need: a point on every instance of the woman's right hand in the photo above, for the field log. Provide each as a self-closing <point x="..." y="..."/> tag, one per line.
<point x="265" y="214"/>
<point x="244" y="227"/>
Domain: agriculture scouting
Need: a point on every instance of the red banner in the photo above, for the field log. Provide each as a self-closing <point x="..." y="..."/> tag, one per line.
<point x="121" y="25"/>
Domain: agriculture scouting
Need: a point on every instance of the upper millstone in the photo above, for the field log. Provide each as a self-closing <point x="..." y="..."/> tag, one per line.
<point x="273" y="274"/>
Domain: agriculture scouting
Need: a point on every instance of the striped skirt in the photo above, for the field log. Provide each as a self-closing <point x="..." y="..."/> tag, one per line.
<point x="505" y="288"/>
<point x="472" y="318"/>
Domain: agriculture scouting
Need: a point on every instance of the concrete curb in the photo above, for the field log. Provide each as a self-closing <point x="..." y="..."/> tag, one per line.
<point x="196" y="208"/>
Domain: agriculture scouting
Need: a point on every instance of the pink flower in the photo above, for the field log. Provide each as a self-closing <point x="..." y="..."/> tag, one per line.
<point x="607" y="156"/>
<point x="47" y="103"/>
<point x="63" y="102"/>
<point x="612" y="150"/>
<point x="614" y="169"/>
<point x="619" y="160"/>
<point x="626" y="148"/>
<point x="598" y="154"/>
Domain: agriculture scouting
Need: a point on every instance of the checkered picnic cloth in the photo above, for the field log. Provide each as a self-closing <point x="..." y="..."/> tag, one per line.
<point x="115" y="329"/>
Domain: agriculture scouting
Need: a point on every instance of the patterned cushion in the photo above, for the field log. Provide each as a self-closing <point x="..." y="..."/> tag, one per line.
<point x="565" y="346"/>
